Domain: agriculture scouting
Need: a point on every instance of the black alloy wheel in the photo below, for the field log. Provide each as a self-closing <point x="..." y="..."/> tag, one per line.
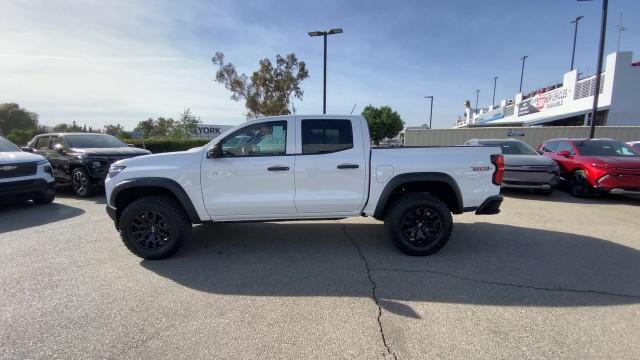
<point x="150" y="230"/>
<point x="421" y="227"/>
<point x="81" y="183"/>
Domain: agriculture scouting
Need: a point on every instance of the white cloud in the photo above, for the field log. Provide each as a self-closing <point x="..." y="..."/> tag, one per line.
<point x="104" y="62"/>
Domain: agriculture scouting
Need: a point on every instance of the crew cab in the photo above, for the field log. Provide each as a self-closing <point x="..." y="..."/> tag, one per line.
<point x="81" y="159"/>
<point x="596" y="165"/>
<point x="24" y="176"/>
<point x="301" y="168"/>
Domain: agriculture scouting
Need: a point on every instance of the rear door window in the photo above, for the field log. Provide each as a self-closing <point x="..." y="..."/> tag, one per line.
<point x="326" y="136"/>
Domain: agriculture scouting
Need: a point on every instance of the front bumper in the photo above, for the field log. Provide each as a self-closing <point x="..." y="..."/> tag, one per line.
<point x="111" y="211"/>
<point x="490" y="206"/>
<point x="25" y="188"/>
<point x="541" y="180"/>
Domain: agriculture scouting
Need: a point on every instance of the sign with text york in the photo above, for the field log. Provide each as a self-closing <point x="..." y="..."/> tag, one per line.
<point x="205" y="131"/>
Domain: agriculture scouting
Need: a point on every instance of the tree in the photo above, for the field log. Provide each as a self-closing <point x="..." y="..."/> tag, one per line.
<point x="146" y="127"/>
<point x="67" y="128"/>
<point x="185" y="125"/>
<point x="20" y="137"/>
<point x="383" y="122"/>
<point x="270" y="89"/>
<point x="12" y="116"/>
<point x="114" y="130"/>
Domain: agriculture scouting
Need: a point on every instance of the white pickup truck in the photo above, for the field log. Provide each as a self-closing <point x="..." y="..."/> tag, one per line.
<point x="301" y="168"/>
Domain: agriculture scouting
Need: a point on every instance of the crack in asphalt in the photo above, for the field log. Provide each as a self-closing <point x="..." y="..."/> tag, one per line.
<point x="499" y="283"/>
<point x="374" y="287"/>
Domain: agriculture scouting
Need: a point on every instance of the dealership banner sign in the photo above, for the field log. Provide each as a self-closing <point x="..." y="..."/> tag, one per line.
<point x="544" y="101"/>
<point x="206" y="131"/>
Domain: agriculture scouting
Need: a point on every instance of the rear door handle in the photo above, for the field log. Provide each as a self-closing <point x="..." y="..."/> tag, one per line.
<point x="348" y="166"/>
<point x="278" y="168"/>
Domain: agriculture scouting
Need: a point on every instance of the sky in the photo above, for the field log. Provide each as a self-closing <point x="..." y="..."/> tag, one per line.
<point x="108" y="62"/>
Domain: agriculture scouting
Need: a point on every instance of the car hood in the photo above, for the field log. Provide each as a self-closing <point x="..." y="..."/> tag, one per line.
<point x="121" y="151"/>
<point x="615" y="161"/>
<point x="528" y="160"/>
<point x="18" y="157"/>
<point x="163" y="159"/>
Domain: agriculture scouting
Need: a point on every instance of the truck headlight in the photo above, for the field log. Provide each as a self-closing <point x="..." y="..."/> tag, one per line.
<point x="115" y="170"/>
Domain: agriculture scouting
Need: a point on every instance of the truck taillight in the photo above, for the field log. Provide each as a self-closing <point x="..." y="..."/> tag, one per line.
<point x="498" y="174"/>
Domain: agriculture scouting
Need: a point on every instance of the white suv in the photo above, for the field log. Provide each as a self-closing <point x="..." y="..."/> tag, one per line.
<point x="24" y="176"/>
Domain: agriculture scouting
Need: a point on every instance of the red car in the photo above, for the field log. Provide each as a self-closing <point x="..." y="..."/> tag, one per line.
<point x="591" y="165"/>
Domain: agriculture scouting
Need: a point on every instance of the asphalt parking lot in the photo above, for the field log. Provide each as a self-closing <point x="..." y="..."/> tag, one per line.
<point x="550" y="277"/>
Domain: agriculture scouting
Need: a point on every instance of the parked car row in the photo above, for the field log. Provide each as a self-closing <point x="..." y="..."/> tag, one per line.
<point x="587" y="166"/>
<point x="80" y="160"/>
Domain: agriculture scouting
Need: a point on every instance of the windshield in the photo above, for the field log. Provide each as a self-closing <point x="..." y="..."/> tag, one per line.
<point x="511" y="147"/>
<point x="7" y="146"/>
<point x="605" y="148"/>
<point x="93" y="141"/>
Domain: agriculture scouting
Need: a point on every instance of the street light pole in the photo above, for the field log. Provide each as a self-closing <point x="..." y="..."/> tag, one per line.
<point x="522" y="72"/>
<point x="431" y="111"/>
<point x="575" y="37"/>
<point x="495" y="81"/>
<point x="596" y="95"/>
<point x="324" y="82"/>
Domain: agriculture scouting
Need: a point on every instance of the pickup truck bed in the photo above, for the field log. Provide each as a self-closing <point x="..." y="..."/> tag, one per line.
<point x="301" y="167"/>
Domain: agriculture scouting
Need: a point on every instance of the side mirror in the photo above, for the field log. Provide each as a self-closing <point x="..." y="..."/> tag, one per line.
<point x="215" y="152"/>
<point x="540" y="152"/>
<point x="131" y="145"/>
<point x="565" y="153"/>
<point x="58" y="148"/>
<point x="27" y="149"/>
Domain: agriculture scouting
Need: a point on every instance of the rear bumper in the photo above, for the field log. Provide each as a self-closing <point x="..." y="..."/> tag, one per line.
<point x="490" y="206"/>
<point x="26" y="188"/>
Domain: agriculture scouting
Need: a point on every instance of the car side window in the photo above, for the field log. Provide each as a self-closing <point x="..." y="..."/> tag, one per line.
<point x="43" y="143"/>
<point x="549" y="147"/>
<point x="262" y="139"/>
<point x="56" y="140"/>
<point x="326" y="136"/>
<point x="565" y="146"/>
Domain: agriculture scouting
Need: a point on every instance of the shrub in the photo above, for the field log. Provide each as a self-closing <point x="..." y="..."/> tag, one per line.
<point x="20" y="137"/>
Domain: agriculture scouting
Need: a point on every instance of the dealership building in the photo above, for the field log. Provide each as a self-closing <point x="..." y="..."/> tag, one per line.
<point x="570" y="102"/>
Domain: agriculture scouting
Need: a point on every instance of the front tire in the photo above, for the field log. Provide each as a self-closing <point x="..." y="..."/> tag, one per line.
<point x="419" y="224"/>
<point x="81" y="182"/>
<point x="44" y="197"/>
<point x="154" y="227"/>
<point x="579" y="185"/>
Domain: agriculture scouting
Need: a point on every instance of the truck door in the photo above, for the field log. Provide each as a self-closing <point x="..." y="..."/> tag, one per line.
<point x="254" y="176"/>
<point x="330" y="173"/>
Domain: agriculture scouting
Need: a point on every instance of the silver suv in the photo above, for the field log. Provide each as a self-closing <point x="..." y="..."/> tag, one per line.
<point x="24" y="176"/>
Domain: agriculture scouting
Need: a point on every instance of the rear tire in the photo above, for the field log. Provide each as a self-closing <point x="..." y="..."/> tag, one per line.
<point x="81" y="182"/>
<point x="154" y="227"/>
<point x="579" y="185"/>
<point x="419" y="224"/>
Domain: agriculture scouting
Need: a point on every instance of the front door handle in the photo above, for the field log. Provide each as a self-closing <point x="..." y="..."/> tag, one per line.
<point x="348" y="166"/>
<point x="278" y="168"/>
